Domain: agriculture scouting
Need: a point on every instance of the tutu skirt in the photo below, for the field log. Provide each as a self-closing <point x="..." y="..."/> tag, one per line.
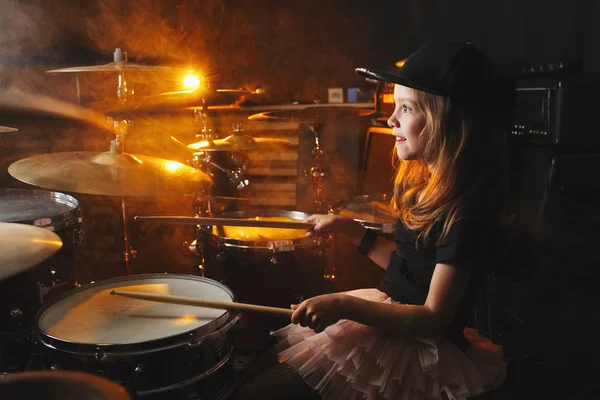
<point x="349" y="360"/>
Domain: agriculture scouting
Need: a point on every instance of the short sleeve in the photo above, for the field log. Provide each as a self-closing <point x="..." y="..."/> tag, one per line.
<point x="465" y="242"/>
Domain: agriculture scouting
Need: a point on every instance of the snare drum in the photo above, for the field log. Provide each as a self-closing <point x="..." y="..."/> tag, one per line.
<point x="352" y="270"/>
<point x="155" y="350"/>
<point x="266" y="266"/>
<point x="22" y="295"/>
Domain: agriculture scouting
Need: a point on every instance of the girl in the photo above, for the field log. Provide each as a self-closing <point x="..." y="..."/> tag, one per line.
<point x="405" y="339"/>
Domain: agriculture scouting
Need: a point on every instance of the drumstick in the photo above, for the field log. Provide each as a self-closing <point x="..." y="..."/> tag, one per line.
<point x="192" y="301"/>
<point x="227" y="222"/>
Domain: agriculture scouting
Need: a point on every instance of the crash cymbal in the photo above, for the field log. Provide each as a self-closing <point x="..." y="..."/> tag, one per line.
<point x="237" y="143"/>
<point x="118" y="67"/>
<point x="5" y="129"/>
<point x="315" y="114"/>
<point x="63" y="385"/>
<point x="14" y="99"/>
<point x="110" y="174"/>
<point x="24" y="246"/>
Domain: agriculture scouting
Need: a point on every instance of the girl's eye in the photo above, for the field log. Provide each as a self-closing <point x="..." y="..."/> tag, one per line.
<point x="405" y="108"/>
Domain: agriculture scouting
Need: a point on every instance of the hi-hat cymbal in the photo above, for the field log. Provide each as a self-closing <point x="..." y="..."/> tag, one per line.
<point x="110" y="174"/>
<point x="237" y="143"/>
<point x="316" y="114"/>
<point x="118" y="67"/>
<point x="14" y="99"/>
<point x="6" y="129"/>
<point x="24" y="246"/>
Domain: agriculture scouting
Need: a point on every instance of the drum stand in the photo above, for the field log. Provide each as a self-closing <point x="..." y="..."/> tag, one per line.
<point x="116" y="147"/>
<point x="316" y="173"/>
<point x="202" y="203"/>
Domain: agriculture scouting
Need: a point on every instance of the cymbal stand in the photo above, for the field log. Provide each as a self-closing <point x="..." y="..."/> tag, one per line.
<point x="116" y="147"/>
<point x="123" y="92"/>
<point x="200" y="115"/>
<point x="316" y="172"/>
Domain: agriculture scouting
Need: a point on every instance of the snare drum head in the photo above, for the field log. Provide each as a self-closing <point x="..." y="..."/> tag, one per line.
<point x="255" y="234"/>
<point x="35" y="207"/>
<point x="254" y="237"/>
<point x="92" y="315"/>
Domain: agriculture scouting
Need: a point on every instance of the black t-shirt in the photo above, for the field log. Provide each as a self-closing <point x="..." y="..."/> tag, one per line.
<point x="473" y="242"/>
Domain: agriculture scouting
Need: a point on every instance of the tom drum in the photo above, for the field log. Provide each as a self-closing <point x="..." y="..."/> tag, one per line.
<point x="266" y="266"/>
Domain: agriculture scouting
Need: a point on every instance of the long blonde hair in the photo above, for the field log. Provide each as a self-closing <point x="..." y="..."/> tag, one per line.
<point x="461" y="156"/>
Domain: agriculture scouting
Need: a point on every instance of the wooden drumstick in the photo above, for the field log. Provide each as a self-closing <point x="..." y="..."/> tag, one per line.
<point x="226" y="222"/>
<point x="192" y="301"/>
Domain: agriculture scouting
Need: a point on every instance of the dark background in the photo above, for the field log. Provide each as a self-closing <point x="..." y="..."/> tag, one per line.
<point x="297" y="50"/>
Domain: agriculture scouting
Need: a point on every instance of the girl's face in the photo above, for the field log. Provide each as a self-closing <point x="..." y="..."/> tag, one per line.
<point x="407" y="122"/>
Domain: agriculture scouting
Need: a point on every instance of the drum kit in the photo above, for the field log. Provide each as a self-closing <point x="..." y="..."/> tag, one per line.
<point x="98" y="337"/>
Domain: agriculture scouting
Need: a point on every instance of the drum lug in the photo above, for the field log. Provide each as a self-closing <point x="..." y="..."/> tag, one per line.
<point x="16" y="313"/>
<point x="273" y="259"/>
<point x="78" y="236"/>
<point x="99" y="355"/>
<point x="319" y="252"/>
<point x="139" y="369"/>
<point x="55" y="367"/>
<point x="221" y="257"/>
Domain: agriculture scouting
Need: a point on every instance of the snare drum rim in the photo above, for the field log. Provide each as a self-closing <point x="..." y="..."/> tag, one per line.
<point x="131" y="349"/>
<point x="259" y="245"/>
<point x="58" y="221"/>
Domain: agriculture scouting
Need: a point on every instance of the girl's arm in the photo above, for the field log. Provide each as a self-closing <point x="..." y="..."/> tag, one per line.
<point x="429" y="320"/>
<point x="354" y="231"/>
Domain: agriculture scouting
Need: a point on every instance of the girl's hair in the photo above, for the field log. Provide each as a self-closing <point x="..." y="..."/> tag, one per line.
<point x="462" y="156"/>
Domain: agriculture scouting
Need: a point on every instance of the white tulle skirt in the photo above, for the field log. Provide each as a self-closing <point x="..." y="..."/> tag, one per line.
<point x="349" y="360"/>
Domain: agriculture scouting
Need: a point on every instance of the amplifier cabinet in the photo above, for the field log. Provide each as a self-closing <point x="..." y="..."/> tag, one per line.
<point x="557" y="110"/>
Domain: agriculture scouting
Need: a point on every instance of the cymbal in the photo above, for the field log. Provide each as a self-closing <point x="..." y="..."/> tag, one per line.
<point x="182" y="100"/>
<point x="24" y="246"/>
<point x="5" y="129"/>
<point x="117" y="67"/>
<point x="316" y="114"/>
<point x="13" y="99"/>
<point x="63" y="385"/>
<point x="237" y="143"/>
<point x="110" y="174"/>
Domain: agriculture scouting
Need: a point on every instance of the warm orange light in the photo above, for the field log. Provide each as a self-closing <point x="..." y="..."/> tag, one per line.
<point x="191" y="81"/>
<point x="400" y="63"/>
<point x="173" y="165"/>
<point x="198" y="145"/>
<point x="185" y="320"/>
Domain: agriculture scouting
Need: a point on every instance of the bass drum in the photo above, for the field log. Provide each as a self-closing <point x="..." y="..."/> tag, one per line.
<point x="265" y="266"/>
<point x="352" y="270"/>
<point x="155" y="350"/>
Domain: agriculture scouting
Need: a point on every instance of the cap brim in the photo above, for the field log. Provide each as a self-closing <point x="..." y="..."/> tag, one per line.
<point x="393" y="77"/>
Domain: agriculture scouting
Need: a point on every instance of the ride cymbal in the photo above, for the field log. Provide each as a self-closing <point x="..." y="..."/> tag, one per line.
<point x="117" y="67"/>
<point x="110" y="174"/>
<point x="315" y="114"/>
<point x="237" y="143"/>
<point x="25" y="246"/>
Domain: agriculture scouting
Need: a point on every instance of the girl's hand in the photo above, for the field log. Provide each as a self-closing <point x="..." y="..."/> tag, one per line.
<point x="326" y="224"/>
<point x="321" y="311"/>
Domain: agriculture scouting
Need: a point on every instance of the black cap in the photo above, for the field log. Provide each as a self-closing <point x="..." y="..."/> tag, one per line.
<point x="449" y="69"/>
